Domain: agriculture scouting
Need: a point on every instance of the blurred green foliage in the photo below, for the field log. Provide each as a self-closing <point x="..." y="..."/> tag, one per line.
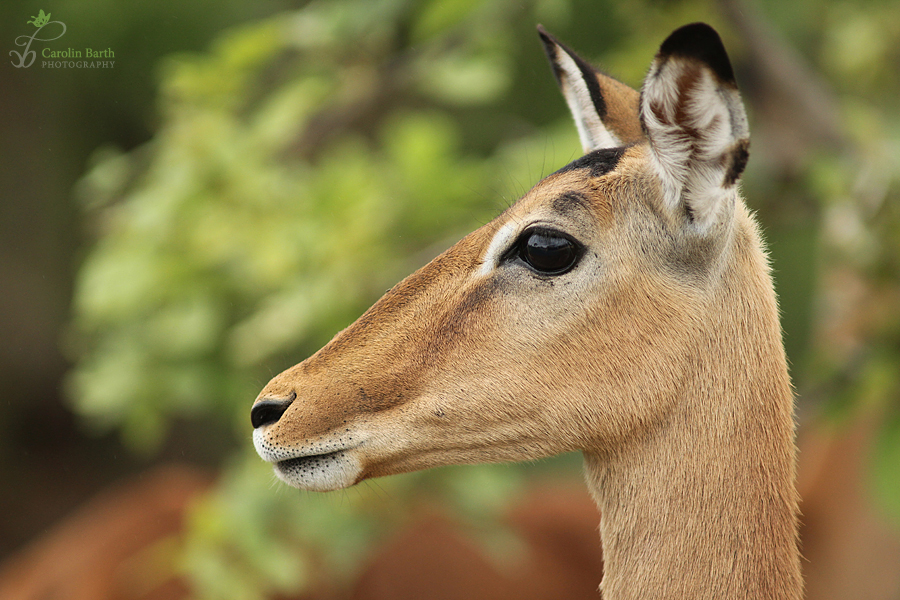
<point x="306" y="162"/>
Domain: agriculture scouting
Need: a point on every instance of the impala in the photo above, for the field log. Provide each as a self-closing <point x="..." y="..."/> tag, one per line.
<point x="623" y="308"/>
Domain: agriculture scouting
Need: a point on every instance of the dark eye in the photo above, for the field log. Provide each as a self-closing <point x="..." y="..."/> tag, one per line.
<point x="547" y="251"/>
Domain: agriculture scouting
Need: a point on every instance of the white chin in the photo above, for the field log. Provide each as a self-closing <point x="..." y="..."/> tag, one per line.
<point x="320" y="473"/>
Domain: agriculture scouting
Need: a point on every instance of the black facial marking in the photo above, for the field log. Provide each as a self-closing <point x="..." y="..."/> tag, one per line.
<point x="600" y="161"/>
<point x="588" y="73"/>
<point x="699" y="41"/>
<point x="564" y="203"/>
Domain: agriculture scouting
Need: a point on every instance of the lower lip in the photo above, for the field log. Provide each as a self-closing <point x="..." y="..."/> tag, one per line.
<point x="308" y="463"/>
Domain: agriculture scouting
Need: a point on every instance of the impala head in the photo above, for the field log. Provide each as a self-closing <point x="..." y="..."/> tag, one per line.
<point x="571" y="321"/>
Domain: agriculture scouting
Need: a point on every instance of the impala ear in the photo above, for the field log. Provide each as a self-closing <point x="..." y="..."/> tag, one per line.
<point x="605" y="110"/>
<point x="693" y="116"/>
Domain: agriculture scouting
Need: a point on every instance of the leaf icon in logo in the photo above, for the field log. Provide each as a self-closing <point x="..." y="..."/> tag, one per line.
<point x="40" y="20"/>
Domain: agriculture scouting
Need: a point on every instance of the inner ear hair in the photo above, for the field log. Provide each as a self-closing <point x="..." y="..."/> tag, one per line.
<point x="694" y="118"/>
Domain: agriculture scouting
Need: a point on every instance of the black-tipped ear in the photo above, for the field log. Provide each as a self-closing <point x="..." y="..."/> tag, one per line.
<point x="693" y="116"/>
<point x="700" y="42"/>
<point x="604" y="109"/>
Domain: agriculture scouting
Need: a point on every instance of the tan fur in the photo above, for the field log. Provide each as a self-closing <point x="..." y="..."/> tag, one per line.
<point x="659" y="357"/>
<point x="622" y="103"/>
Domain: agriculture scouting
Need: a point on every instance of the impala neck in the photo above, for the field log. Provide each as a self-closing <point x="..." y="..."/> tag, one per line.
<point x="694" y="515"/>
<point x="704" y="505"/>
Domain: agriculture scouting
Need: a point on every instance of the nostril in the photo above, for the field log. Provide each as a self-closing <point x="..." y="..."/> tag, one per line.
<point x="266" y="412"/>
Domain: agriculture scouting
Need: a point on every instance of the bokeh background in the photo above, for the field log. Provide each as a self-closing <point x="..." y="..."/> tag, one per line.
<point x="250" y="176"/>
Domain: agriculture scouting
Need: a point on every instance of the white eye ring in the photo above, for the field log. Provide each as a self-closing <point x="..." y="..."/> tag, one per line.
<point x="502" y="239"/>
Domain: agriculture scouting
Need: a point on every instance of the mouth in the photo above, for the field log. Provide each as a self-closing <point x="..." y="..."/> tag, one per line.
<point x="320" y="472"/>
<point x="320" y="465"/>
<point x="308" y="464"/>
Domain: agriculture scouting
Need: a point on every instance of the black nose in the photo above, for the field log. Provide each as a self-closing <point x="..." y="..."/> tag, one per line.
<point x="266" y="412"/>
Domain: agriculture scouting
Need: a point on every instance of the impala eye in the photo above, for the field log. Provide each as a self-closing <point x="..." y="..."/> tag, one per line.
<point x="547" y="251"/>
